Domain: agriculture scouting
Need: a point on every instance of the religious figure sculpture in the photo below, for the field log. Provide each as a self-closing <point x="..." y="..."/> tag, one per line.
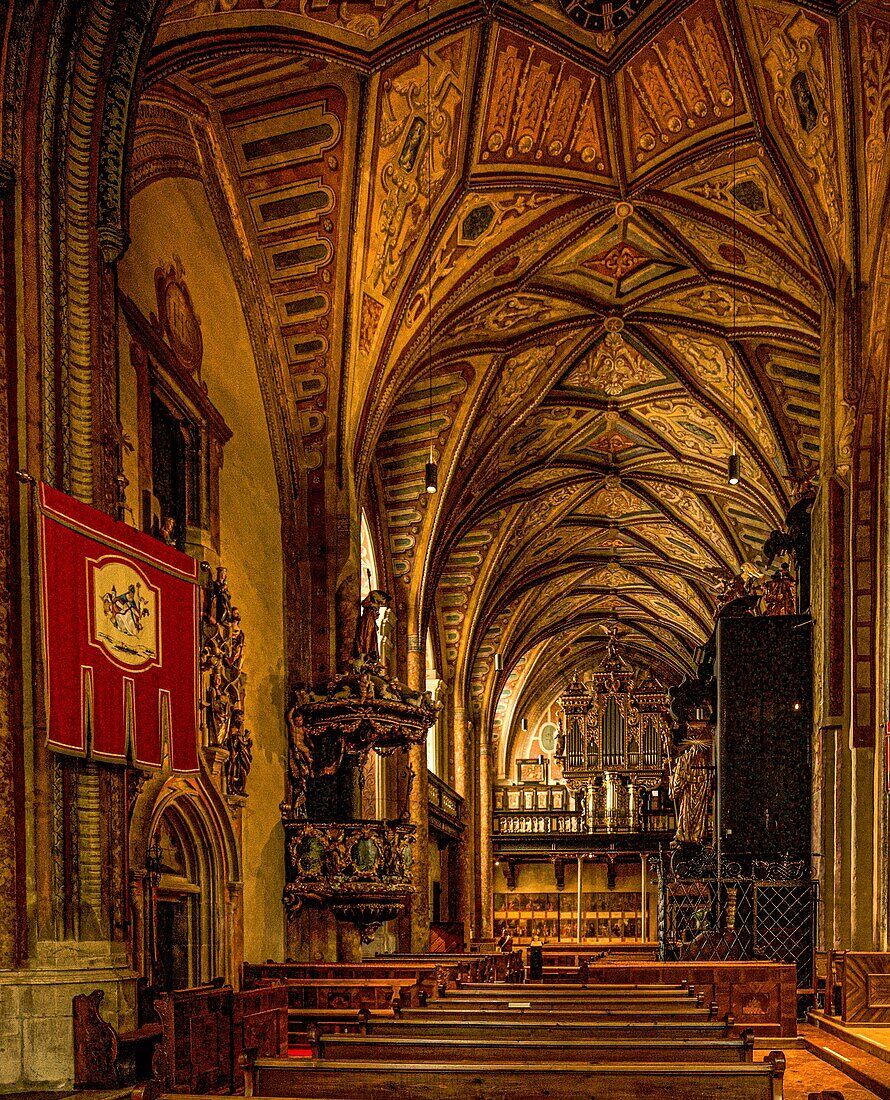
<point x="690" y="788"/>
<point x="219" y="598"/>
<point x="779" y="592"/>
<point x="559" y="742"/>
<point x="365" y="643"/>
<point x="240" y="755"/>
<point x="221" y="663"/>
<point x="299" y="761"/>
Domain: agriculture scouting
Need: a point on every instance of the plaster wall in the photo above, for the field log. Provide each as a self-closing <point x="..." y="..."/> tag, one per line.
<point x="170" y="218"/>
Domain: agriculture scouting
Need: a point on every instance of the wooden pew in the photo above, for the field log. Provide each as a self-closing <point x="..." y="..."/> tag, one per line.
<point x="305" y="1023"/>
<point x="858" y="980"/>
<point x="207" y="1028"/>
<point x="371" y="1048"/>
<point x="455" y="968"/>
<point x="427" y="976"/>
<point x="678" y="989"/>
<point x="371" y="993"/>
<point x="559" y="1080"/>
<point x="645" y="1002"/>
<point x="260" y="1022"/>
<point x="760" y="995"/>
<point x="198" y="1026"/>
<point x="496" y="966"/>
<point x="551" y="1032"/>
<point x="106" y="1059"/>
<point x="589" y="1014"/>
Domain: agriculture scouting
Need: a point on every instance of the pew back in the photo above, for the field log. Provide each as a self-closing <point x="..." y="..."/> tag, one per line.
<point x="518" y="1051"/>
<point x="553" y="1032"/>
<point x="545" y="1015"/>
<point x="558" y="1080"/>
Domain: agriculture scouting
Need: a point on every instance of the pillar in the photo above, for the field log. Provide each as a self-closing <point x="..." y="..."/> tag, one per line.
<point x="486" y="930"/>
<point x="419" y="813"/>
<point x="463" y="784"/>
<point x="644" y="899"/>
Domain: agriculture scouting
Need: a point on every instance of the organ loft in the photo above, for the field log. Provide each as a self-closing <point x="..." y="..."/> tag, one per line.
<point x="443" y="544"/>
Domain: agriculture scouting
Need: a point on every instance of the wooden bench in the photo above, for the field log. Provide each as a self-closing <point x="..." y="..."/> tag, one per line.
<point x="454" y="968"/>
<point x="370" y="993"/>
<point x="497" y="966"/>
<point x="305" y="1023"/>
<point x="569" y="955"/>
<point x="760" y="995"/>
<point x="679" y="989"/>
<point x="856" y="987"/>
<point x="520" y="1051"/>
<point x="546" y="1016"/>
<point x="260" y="1022"/>
<point x="426" y="977"/>
<point x="105" y="1058"/>
<point x="581" y="1002"/>
<point x="323" y="1080"/>
<point x="208" y="1027"/>
<point x="552" y="1032"/>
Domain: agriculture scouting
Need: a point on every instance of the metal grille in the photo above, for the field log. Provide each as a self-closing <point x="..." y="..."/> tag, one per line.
<point x="732" y="916"/>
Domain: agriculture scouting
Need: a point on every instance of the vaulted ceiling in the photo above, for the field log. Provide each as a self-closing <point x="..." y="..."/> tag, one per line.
<point x="579" y="249"/>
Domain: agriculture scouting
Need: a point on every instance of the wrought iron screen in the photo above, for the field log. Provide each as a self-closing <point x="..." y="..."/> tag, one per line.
<point x="767" y="914"/>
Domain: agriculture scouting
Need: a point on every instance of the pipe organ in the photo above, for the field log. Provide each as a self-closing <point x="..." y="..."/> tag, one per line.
<point x="612" y="743"/>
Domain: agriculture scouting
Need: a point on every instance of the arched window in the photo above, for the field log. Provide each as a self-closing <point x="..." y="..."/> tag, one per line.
<point x="435" y="747"/>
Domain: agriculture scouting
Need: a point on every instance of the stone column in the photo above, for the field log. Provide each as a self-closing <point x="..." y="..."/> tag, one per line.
<point x="13" y="917"/>
<point x="463" y="784"/>
<point x="349" y="947"/>
<point x="486" y="930"/>
<point x="644" y="899"/>
<point x="419" y="810"/>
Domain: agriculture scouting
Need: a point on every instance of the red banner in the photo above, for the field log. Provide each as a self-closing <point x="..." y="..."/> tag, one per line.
<point x="120" y="631"/>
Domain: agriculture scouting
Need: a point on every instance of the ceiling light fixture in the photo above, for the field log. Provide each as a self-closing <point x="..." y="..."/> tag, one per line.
<point x="498" y="663"/>
<point x="523" y="723"/>
<point x="431" y="474"/>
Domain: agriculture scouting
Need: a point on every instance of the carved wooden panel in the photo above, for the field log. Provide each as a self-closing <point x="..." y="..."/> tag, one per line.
<point x="198" y="1027"/>
<point x="760" y="996"/>
<point x="865" y="997"/>
<point x="259" y="1022"/>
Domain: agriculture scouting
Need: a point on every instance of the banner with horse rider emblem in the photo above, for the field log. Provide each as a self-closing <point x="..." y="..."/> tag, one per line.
<point x="120" y="629"/>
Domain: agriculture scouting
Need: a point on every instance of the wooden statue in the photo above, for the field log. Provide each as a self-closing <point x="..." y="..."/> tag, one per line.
<point x="299" y="761"/>
<point x="779" y="596"/>
<point x="365" y="644"/>
<point x="240" y="747"/>
<point x="690" y="788"/>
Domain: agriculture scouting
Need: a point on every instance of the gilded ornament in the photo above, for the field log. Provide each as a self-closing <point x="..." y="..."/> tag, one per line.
<point x="222" y="677"/>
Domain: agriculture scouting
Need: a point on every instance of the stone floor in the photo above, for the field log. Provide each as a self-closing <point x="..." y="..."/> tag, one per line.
<point x="806" y="1073"/>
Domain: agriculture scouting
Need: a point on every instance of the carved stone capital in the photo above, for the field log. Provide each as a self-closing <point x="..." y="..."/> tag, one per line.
<point x="113" y="242"/>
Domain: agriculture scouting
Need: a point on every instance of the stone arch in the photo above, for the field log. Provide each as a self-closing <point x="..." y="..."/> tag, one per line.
<point x="191" y="811"/>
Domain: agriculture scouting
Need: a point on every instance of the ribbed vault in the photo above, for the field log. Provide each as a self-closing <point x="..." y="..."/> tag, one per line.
<point x="579" y="262"/>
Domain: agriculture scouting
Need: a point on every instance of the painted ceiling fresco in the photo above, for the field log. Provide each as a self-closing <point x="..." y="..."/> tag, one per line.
<point x="578" y="250"/>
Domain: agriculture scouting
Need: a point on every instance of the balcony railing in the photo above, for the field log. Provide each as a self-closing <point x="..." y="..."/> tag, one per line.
<point x="446" y="806"/>
<point x="568" y="823"/>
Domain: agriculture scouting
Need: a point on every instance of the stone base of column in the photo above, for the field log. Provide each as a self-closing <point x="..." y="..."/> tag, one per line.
<point x="36" y="1025"/>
